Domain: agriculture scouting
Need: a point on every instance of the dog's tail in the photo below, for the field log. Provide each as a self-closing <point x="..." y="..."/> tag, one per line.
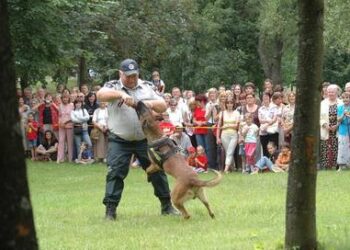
<point x="209" y="183"/>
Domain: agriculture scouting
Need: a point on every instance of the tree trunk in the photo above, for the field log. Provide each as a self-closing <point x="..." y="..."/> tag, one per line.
<point x="270" y="53"/>
<point x="301" y="193"/>
<point x="16" y="218"/>
<point x="82" y="71"/>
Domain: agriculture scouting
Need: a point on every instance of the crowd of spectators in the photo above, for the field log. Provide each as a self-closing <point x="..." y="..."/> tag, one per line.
<point x="68" y="125"/>
<point x="228" y="129"/>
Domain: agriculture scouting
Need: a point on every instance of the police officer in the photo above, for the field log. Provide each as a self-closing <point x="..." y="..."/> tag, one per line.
<point x="126" y="136"/>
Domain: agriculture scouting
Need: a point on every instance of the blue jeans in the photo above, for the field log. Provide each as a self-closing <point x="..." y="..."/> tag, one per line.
<point x="264" y="162"/>
<point x="83" y="137"/>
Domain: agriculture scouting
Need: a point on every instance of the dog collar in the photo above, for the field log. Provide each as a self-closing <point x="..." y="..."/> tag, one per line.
<point x="160" y="157"/>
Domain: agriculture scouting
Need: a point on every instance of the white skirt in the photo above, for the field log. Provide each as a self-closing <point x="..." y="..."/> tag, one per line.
<point x="343" y="150"/>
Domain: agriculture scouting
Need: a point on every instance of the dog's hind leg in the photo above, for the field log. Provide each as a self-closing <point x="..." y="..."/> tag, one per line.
<point x="203" y="198"/>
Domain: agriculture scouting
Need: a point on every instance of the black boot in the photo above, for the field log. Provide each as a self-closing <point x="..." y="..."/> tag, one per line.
<point x="167" y="208"/>
<point x="111" y="211"/>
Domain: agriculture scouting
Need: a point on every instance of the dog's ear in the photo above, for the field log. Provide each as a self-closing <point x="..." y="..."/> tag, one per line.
<point x="138" y="108"/>
<point x="144" y="123"/>
<point x="139" y="105"/>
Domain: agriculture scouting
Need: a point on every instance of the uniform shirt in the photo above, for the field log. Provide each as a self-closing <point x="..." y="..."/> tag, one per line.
<point x="122" y="119"/>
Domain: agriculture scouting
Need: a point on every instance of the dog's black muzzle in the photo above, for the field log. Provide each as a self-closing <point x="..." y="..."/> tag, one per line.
<point x="141" y="108"/>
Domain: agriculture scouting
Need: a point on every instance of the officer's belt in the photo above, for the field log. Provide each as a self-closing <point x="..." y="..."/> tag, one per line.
<point x="158" y="157"/>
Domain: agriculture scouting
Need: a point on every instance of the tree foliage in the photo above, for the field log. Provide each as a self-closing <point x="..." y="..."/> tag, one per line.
<point x="194" y="44"/>
<point x="337" y="58"/>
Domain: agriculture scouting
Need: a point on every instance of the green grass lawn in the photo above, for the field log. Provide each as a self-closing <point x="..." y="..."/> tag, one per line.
<point x="250" y="212"/>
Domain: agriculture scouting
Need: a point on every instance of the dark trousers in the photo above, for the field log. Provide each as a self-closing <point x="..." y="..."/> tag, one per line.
<point x="118" y="161"/>
<point x="212" y="149"/>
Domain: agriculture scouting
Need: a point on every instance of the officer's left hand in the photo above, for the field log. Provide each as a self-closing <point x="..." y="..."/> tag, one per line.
<point x="130" y="102"/>
<point x="127" y="100"/>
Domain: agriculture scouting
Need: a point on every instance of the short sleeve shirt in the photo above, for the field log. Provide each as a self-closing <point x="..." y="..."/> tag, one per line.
<point x="122" y="119"/>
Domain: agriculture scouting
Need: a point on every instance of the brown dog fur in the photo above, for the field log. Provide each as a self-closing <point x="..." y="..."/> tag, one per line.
<point x="187" y="184"/>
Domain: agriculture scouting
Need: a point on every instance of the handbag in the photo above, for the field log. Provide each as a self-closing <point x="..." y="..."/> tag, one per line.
<point x="78" y="129"/>
<point x="215" y="129"/>
<point x="95" y="134"/>
<point x="273" y="128"/>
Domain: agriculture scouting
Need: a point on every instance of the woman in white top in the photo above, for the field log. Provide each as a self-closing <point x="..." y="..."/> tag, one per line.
<point x="99" y="120"/>
<point x="79" y="117"/>
<point x="288" y="118"/>
<point x="175" y="114"/>
<point x="268" y="123"/>
<point x="228" y="132"/>
<point x="328" y="128"/>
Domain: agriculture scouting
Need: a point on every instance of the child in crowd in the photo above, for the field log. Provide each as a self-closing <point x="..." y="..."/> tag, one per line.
<point x="201" y="160"/>
<point x="32" y="134"/>
<point x="267" y="162"/>
<point x="85" y="155"/>
<point x="283" y="159"/>
<point x="250" y="134"/>
<point x="191" y="159"/>
<point x="165" y="125"/>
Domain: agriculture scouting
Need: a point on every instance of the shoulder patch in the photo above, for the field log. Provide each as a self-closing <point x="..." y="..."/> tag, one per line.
<point x="150" y="84"/>
<point x="111" y="84"/>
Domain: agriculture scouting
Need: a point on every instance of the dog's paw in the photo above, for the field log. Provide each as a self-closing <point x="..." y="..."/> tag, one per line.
<point x="152" y="169"/>
<point x="186" y="217"/>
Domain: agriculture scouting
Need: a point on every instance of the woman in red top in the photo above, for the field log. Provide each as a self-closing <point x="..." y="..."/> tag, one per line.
<point x="48" y="115"/>
<point x="200" y="122"/>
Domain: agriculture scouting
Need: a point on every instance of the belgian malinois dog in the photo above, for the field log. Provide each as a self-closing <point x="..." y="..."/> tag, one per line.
<point x="164" y="155"/>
